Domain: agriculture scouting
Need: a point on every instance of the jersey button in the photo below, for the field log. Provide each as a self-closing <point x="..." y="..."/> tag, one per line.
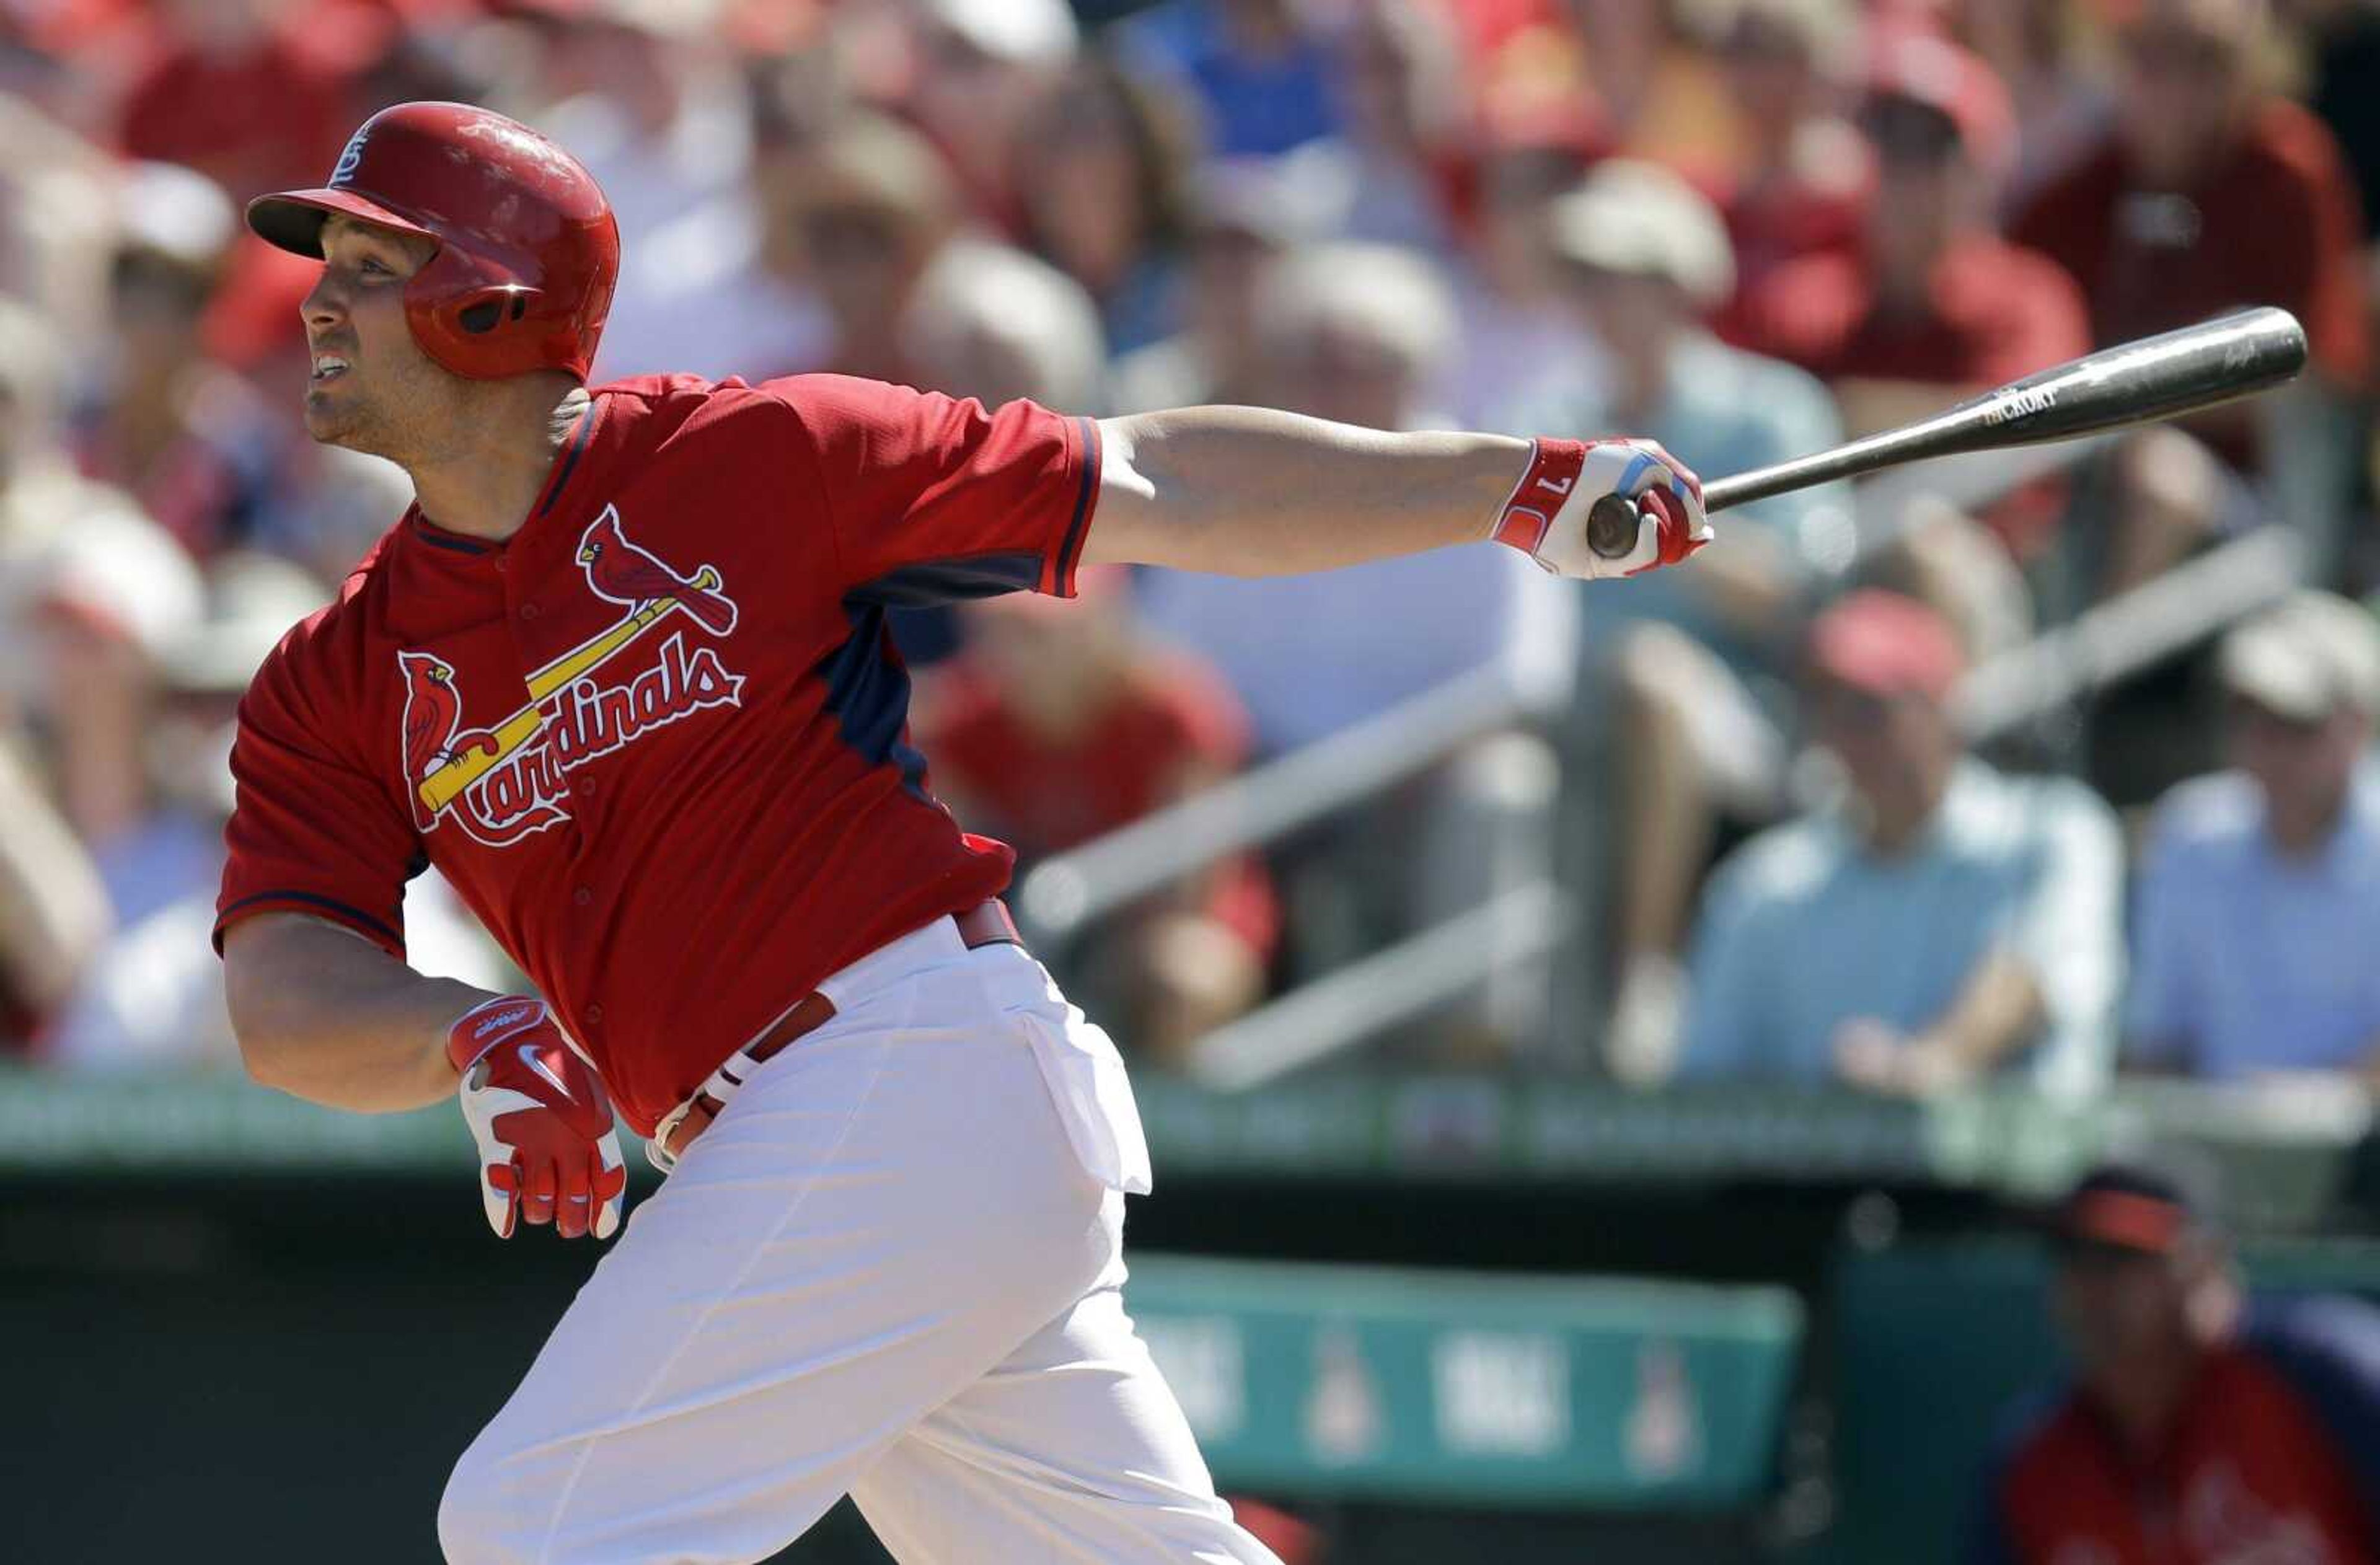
<point x="594" y="1015"/>
<point x="582" y="896"/>
<point x="528" y="611"/>
<point x="586" y="786"/>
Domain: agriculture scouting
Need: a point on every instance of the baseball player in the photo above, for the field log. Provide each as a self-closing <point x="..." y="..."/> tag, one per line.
<point x="622" y="673"/>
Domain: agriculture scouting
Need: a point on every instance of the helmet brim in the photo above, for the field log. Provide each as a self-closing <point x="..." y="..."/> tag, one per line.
<point x="293" y="219"/>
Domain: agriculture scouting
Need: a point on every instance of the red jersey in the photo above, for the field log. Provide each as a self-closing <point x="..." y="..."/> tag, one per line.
<point x="2274" y="1457"/>
<point x="658" y="738"/>
<point x="2277" y="223"/>
<point x="1994" y="312"/>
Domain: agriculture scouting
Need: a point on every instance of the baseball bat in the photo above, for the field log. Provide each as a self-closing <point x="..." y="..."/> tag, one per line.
<point x="2141" y="383"/>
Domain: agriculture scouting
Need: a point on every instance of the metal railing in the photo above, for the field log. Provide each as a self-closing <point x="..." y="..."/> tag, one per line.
<point x="1327" y="1016"/>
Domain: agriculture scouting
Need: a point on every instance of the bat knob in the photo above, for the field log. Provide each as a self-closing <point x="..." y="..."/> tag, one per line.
<point x="1611" y="527"/>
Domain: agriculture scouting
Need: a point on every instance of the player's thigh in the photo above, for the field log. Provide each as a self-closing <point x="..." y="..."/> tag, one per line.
<point x="1074" y="1449"/>
<point x="877" y="1218"/>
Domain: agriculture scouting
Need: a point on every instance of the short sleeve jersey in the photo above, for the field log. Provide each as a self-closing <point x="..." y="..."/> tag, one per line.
<point x="658" y="740"/>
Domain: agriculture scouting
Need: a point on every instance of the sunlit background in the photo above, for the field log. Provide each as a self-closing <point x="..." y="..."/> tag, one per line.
<point x="1599" y="1045"/>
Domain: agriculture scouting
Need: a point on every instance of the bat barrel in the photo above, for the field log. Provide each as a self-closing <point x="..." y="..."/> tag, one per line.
<point x="2160" y="377"/>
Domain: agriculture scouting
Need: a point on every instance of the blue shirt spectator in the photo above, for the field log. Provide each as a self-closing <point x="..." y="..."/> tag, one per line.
<point x="1644" y="256"/>
<point x="1264" y="82"/>
<point x="2261" y="886"/>
<point x="1944" y="921"/>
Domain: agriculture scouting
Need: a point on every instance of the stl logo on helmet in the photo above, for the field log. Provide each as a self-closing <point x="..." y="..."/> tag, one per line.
<point x="350" y="159"/>
<point x="501" y="783"/>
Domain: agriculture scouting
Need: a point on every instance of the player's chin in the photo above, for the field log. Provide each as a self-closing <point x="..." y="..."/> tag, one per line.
<point x="333" y="416"/>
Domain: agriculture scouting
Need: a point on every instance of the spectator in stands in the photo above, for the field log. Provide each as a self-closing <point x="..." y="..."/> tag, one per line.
<point x="42" y="501"/>
<point x="1105" y="162"/>
<point x="2198" y="1426"/>
<point x="1243" y="218"/>
<point x="1258" y="69"/>
<point x="1944" y="922"/>
<point x="154" y="992"/>
<point x="1387" y="176"/>
<point x="866" y="206"/>
<point x="1075" y="692"/>
<point x="739" y="296"/>
<point x="255" y="94"/>
<point x="2062" y="108"/>
<point x="1660" y="96"/>
<point x="650" y="99"/>
<point x="2261" y="886"/>
<point x="1359" y="334"/>
<point x="1520" y="335"/>
<point x="997" y="324"/>
<point x="54" y="912"/>
<point x="1697" y="676"/>
<point x="982" y="66"/>
<point x="1807" y="175"/>
<point x="111" y="596"/>
<point x="179" y="432"/>
<point x="1936" y="306"/>
<point x="56" y="221"/>
<point x="2209" y="193"/>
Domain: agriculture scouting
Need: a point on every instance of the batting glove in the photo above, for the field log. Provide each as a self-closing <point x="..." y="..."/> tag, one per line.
<point x="547" y="1148"/>
<point x="1546" y="516"/>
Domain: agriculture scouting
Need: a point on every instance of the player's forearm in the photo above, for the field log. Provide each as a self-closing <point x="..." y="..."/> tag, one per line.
<point x="325" y="1015"/>
<point x="1249" y="492"/>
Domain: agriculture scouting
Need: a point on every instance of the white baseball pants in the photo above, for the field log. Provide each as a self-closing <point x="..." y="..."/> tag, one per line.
<point x="893" y="1266"/>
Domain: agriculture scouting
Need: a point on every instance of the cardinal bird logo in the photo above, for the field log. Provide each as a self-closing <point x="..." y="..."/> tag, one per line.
<point x="433" y="715"/>
<point x="620" y="571"/>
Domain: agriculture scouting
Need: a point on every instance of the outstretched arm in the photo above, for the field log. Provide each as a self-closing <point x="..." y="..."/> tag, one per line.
<point x="1249" y="492"/>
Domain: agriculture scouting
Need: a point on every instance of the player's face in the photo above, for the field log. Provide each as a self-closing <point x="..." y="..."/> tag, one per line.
<point x="2123" y="1315"/>
<point x="370" y="386"/>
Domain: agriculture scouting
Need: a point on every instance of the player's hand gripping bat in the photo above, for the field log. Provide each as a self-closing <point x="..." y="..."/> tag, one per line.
<point x="2156" y="378"/>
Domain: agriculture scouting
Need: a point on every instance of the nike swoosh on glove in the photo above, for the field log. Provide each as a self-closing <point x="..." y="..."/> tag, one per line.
<point x="548" y="1151"/>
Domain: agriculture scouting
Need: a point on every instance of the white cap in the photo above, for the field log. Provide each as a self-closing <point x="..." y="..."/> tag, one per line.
<point x="1640" y="219"/>
<point x="126" y="573"/>
<point x="2306" y="657"/>
<point x="176" y="212"/>
<point x="252" y="600"/>
<point x="1018" y="31"/>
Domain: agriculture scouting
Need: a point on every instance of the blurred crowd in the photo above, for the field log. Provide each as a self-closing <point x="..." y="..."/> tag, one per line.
<point x="1745" y="227"/>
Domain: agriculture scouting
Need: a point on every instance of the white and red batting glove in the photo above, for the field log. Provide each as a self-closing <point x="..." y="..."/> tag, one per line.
<point x="1546" y="516"/>
<point x="547" y="1148"/>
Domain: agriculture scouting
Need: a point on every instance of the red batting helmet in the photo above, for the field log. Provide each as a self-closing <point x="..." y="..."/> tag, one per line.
<point x="527" y="248"/>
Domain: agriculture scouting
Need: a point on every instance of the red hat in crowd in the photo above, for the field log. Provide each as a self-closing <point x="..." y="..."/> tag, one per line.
<point x="1915" y="65"/>
<point x="2144" y="1206"/>
<point x="1885" y="644"/>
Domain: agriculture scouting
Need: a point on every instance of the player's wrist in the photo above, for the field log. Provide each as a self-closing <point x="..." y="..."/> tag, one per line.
<point x="1547" y="482"/>
<point x="488" y="1023"/>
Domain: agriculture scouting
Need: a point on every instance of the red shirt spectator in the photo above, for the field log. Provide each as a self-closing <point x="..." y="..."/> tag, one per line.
<point x="1806" y="189"/>
<point x="2197" y="1432"/>
<point x="253" y="107"/>
<point x="2273" y="221"/>
<point x="1934" y="305"/>
<point x="1991" y="313"/>
<point x="1162" y="727"/>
